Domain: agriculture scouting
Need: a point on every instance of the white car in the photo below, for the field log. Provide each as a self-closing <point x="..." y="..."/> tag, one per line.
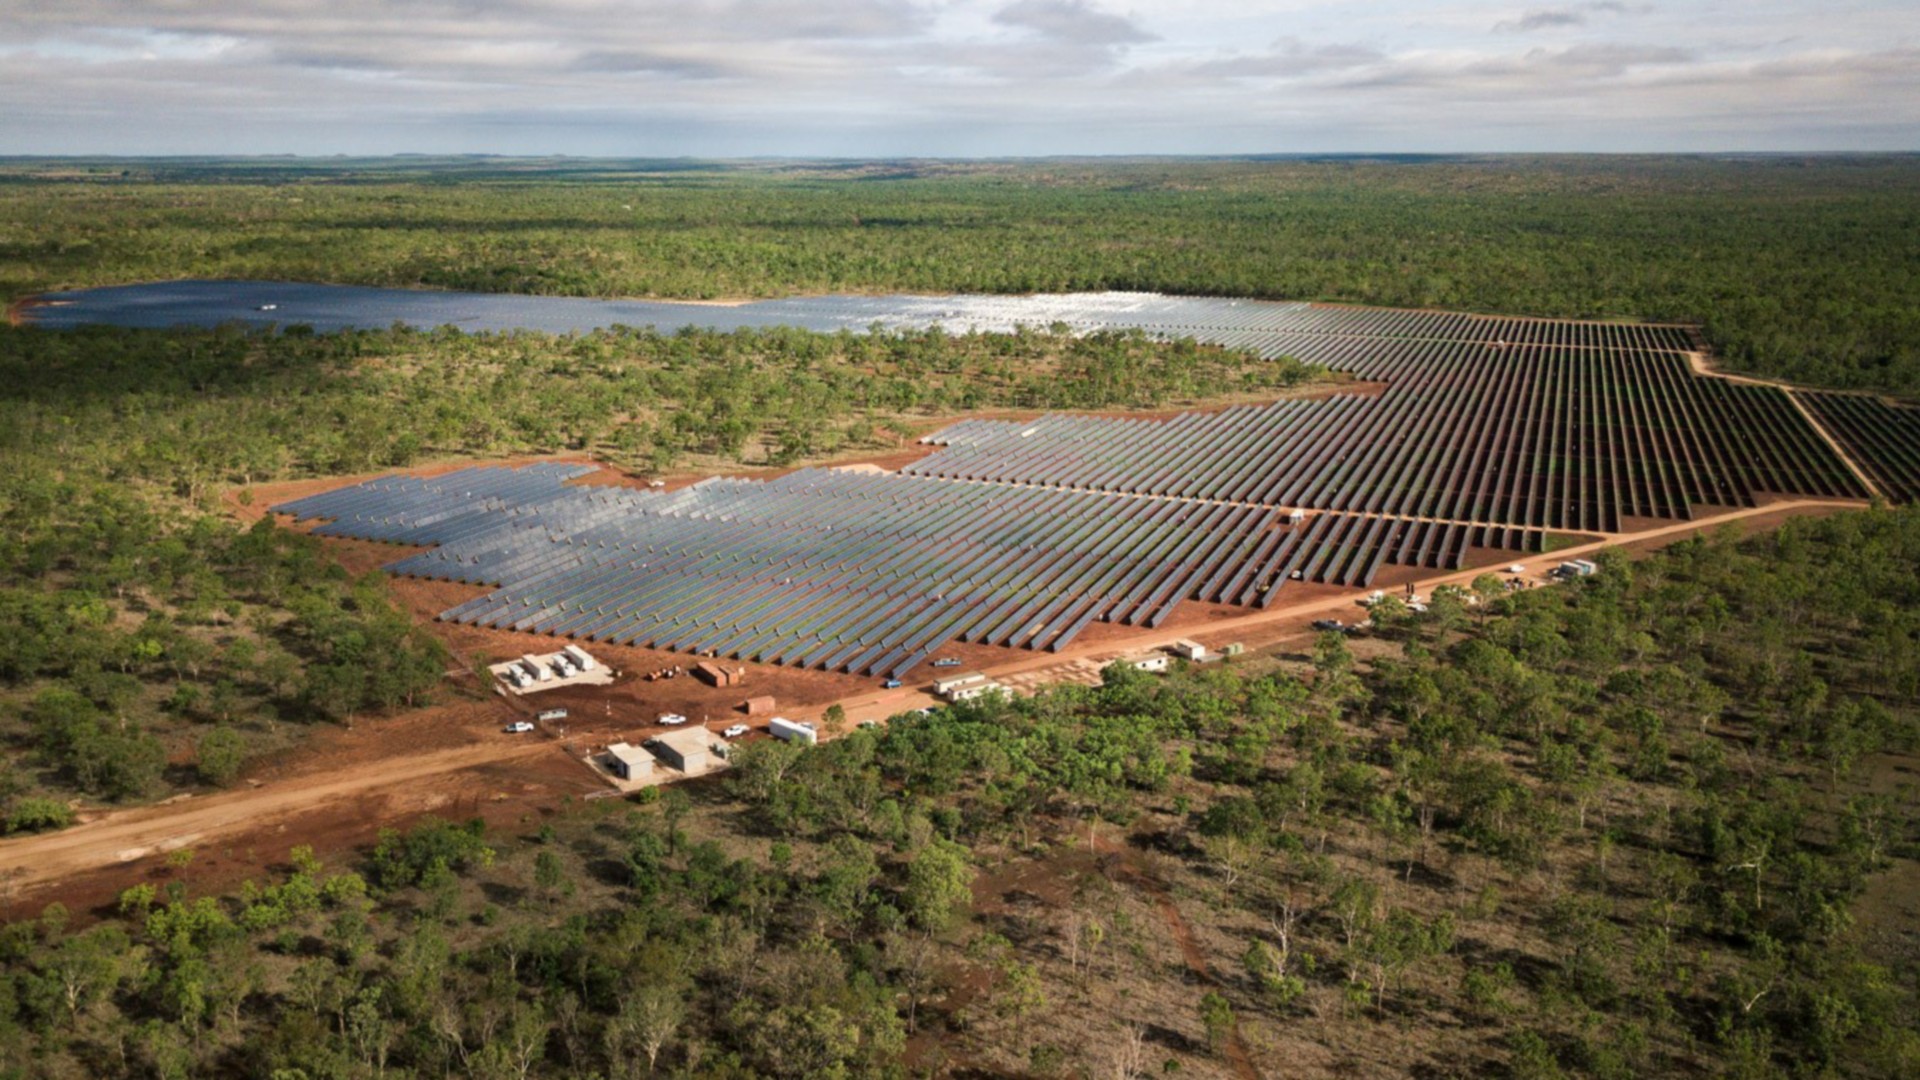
<point x="519" y="727"/>
<point x="736" y="731"/>
<point x="672" y="718"/>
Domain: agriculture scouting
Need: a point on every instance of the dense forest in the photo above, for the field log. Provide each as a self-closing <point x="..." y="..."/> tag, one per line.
<point x="1800" y="267"/>
<point x="140" y="626"/>
<point x="1642" y="825"/>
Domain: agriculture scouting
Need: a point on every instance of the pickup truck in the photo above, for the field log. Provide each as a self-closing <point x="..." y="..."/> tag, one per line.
<point x="890" y="684"/>
<point x="519" y="727"/>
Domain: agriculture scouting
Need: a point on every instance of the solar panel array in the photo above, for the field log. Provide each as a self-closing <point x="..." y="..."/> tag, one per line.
<point x="1557" y="437"/>
<point x="857" y="571"/>
<point x="1490" y="432"/>
<point x="1884" y="438"/>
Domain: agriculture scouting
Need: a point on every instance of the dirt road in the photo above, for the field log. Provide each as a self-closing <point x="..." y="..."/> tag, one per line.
<point x="127" y="835"/>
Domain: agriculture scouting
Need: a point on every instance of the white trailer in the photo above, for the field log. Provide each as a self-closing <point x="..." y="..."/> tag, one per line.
<point x="579" y="657"/>
<point x="782" y="728"/>
<point x="536" y="669"/>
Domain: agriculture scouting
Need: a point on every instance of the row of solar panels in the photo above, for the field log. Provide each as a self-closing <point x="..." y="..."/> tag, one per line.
<point x="1565" y="439"/>
<point x="866" y="572"/>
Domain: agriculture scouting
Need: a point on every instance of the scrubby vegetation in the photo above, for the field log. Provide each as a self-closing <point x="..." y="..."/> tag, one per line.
<point x="1798" y="267"/>
<point x="139" y="626"/>
<point x="1638" y="826"/>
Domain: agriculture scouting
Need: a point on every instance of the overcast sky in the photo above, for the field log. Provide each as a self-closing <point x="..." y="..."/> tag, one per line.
<point x="953" y="77"/>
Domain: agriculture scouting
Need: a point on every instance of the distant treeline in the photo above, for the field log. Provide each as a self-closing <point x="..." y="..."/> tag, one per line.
<point x="1804" y="268"/>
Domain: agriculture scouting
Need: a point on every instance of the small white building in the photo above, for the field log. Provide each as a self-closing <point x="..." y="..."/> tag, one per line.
<point x="1188" y="649"/>
<point x="629" y="762"/>
<point x="950" y="683"/>
<point x="689" y="750"/>
<point x="975" y="689"/>
<point x="1153" y="663"/>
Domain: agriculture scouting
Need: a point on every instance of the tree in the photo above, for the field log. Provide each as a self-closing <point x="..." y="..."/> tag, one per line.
<point x="1216" y="1015"/>
<point x="550" y="873"/>
<point x="651" y="1015"/>
<point x="220" y="755"/>
<point x="939" y="885"/>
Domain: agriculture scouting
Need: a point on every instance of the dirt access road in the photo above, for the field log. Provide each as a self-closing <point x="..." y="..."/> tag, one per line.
<point x="398" y="785"/>
<point x="395" y="787"/>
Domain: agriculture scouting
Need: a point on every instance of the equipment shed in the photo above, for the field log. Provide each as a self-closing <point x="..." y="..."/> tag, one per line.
<point x="629" y="762"/>
<point x="690" y="751"/>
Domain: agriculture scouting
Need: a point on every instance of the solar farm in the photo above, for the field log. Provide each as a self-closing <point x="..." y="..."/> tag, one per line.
<point x="1492" y="436"/>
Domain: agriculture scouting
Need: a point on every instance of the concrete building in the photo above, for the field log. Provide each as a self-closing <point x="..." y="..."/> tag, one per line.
<point x="690" y="750"/>
<point x="629" y="762"/>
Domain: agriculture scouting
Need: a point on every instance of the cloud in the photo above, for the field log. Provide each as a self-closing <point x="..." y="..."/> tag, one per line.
<point x="1071" y="22"/>
<point x="1541" y="20"/>
<point x="1559" y="18"/>
<point x="1288" y="58"/>
<point x="887" y="77"/>
<point x="633" y="61"/>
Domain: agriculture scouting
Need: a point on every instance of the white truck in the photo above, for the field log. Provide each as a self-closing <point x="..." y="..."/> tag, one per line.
<point x="782" y="728"/>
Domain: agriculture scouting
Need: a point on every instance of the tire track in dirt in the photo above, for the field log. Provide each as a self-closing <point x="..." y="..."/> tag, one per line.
<point x="1138" y="876"/>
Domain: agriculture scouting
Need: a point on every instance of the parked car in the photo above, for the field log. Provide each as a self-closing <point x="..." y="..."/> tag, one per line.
<point x="890" y="684"/>
<point x="736" y="731"/>
<point x="672" y="718"/>
<point x="1329" y="624"/>
<point x="869" y="724"/>
<point x="519" y="727"/>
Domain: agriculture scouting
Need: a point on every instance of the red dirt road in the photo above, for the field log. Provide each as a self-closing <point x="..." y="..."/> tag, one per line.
<point x="396" y="787"/>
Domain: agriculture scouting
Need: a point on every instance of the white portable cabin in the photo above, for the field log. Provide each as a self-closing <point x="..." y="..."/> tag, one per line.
<point x="946" y="686"/>
<point x="579" y="657"/>
<point x="1188" y="649"/>
<point x="536" y="669"/>
<point x="973" y="690"/>
<point x="782" y="728"/>
<point x="1152" y="662"/>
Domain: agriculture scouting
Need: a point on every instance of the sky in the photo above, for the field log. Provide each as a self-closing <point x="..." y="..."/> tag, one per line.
<point x="954" y="78"/>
